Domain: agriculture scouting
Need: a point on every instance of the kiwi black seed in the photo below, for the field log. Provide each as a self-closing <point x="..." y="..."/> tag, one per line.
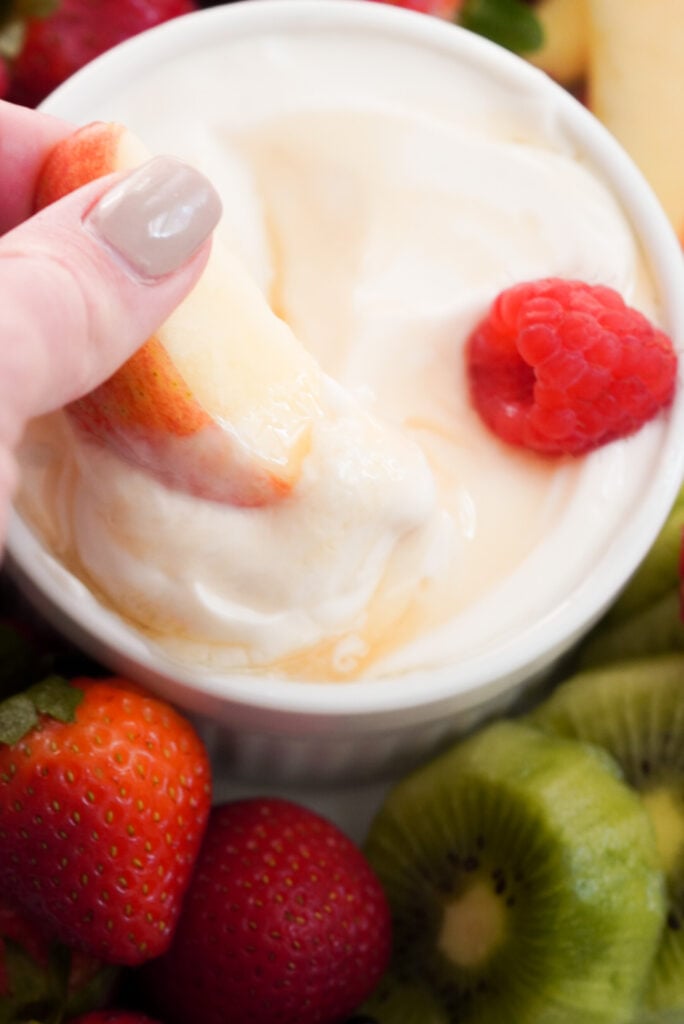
<point x="523" y="880"/>
<point x="635" y="711"/>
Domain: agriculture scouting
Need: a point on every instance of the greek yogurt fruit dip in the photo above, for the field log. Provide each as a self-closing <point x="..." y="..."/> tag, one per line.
<point x="380" y="196"/>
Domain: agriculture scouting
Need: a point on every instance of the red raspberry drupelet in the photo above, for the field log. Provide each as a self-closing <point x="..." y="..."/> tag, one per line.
<point x="561" y="367"/>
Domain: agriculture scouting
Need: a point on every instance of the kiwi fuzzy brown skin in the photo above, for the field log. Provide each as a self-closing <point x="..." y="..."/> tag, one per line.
<point x="524" y="883"/>
<point x="635" y="711"/>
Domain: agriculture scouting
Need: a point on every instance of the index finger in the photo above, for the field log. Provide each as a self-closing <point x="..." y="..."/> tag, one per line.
<point x="26" y="137"/>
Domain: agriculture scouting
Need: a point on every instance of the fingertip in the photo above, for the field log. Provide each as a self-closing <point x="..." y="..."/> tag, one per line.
<point x="108" y="264"/>
<point x="156" y="218"/>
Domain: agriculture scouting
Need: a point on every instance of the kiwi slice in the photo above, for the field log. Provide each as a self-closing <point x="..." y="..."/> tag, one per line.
<point x="646" y="618"/>
<point x="654" y="629"/>
<point x="658" y="574"/>
<point x="635" y="711"/>
<point x="400" y="1002"/>
<point x="523" y="880"/>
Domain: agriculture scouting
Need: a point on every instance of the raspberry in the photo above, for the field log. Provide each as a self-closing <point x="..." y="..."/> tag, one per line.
<point x="561" y="367"/>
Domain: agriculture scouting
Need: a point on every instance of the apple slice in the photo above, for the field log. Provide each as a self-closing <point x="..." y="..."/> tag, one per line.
<point x="635" y="88"/>
<point x="221" y="402"/>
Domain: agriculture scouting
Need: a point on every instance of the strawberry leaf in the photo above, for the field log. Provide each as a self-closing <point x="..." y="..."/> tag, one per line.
<point x="53" y="696"/>
<point x="510" y="23"/>
<point x="38" y="991"/>
<point x="96" y="992"/>
<point x="56" y="697"/>
<point x="18" y="716"/>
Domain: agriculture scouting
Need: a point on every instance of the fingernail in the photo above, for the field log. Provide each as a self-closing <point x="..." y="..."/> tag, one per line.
<point x="157" y="216"/>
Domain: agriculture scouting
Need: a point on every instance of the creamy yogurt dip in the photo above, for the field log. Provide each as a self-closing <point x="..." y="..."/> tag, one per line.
<point x="381" y="198"/>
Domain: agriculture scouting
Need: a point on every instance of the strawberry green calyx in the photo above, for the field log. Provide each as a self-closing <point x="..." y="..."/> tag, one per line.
<point x="87" y="984"/>
<point x="53" y="696"/>
<point x="50" y="986"/>
<point x="28" y="986"/>
<point x="510" y="23"/>
<point x="42" y="980"/>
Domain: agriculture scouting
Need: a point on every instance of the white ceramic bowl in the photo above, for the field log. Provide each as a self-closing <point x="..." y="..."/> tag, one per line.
<point x="308" y="732"/>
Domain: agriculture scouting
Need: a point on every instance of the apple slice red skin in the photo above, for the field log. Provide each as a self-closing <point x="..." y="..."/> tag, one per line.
<point x="146" y="411"/>
<point x="176" y="441"/>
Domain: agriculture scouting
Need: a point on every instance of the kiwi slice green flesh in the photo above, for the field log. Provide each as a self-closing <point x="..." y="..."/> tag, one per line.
<point x="658" y="573"/>
<point x="400" y="1002"/>
<point x="635" y="711"/>
<point x="646" y="618"/>
<point x="655" y="629"/>
<point x="523" y="880"/>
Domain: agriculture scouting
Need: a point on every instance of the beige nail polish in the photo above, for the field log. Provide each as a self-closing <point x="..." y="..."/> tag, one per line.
<point x="156" y="217"/>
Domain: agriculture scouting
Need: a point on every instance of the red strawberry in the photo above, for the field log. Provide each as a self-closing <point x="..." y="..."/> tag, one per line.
<point x="284" y="921"/>
<point x="562" y="367"/>
<point x="38" y="979"/>
<point x="101" y="816"/>
<point x="73" y="33"/>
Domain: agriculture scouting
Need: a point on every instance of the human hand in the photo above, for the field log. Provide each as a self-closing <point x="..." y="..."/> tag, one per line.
<point x="75" y="304"/>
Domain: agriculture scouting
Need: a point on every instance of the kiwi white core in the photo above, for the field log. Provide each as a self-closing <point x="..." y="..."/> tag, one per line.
<point x="668" y="823"/>
<point x="472" y="926"/>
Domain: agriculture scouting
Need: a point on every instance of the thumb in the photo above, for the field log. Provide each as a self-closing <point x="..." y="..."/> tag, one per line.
<point x="87" y="280"/>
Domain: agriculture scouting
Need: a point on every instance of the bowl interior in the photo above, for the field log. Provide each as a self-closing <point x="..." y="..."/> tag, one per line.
<point x="426" y="693"/>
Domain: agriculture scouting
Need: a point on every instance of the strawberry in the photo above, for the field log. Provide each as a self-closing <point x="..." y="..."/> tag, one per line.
<point x="42" y="980"/>
<point x="283" y="921"/>
<point x="104" y="797"/>
<point x="63" y="35"/>
<point x="511" y="23"/>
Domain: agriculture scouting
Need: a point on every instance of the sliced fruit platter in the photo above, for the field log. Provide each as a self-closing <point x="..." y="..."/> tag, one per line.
<point x="530" y="872"/>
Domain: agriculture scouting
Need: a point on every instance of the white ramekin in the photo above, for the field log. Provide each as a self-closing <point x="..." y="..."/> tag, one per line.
<point x="268" y="729"/>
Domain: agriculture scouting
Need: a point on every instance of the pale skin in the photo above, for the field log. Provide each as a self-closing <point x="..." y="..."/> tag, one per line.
<point x="70" y="313"/>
